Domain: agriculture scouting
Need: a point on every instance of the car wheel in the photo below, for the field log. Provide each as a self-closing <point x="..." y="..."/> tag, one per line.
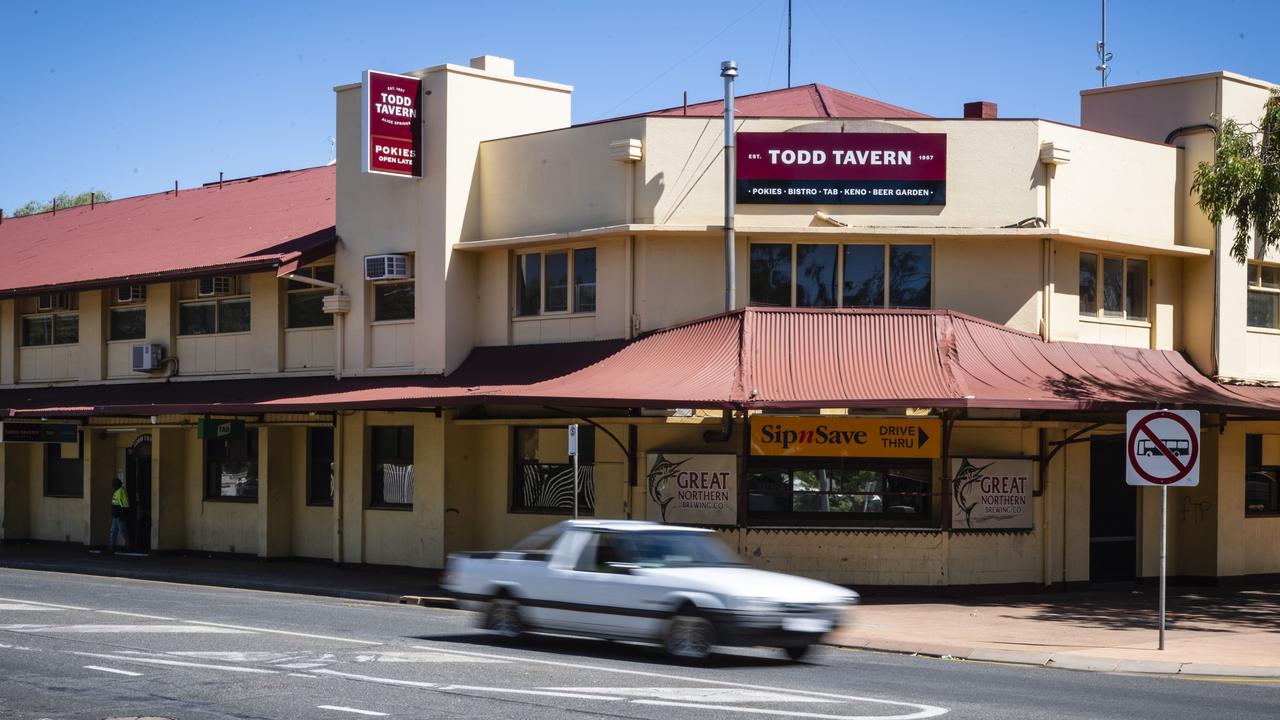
<point x="797" y="652"/>
<point x="689" y="635"/>
<point x="503" y="617"/>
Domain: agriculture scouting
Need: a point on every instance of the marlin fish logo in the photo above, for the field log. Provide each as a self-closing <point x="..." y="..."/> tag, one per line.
<point x="661" y="473"/>
<point x="966" y="477"/>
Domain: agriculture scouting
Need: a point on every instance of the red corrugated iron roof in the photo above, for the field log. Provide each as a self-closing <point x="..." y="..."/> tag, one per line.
<point x="248" y="224"/>
<point x="755" y="358"/>
<point x="803" y="101"/>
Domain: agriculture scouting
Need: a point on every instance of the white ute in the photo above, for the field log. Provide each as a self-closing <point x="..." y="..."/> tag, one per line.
<point x="632" y="580"/>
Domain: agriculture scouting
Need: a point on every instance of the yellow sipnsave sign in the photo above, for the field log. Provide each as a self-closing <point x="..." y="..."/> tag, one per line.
<point x="833" y="436"/>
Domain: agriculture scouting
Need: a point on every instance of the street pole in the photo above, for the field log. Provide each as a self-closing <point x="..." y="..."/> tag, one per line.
<point x="729" y="71"/>
<point x="575" y="517"/>
<point x="1164" y="532"/>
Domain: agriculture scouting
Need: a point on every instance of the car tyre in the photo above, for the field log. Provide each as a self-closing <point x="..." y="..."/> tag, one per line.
<point x="796" y="653"/>
<point x="502" y="617"/>
<point x="689" y="635"/>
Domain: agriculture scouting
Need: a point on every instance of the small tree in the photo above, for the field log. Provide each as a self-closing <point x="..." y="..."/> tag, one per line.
<point x="1243" y="181"/>
<point x="63" y="200"/>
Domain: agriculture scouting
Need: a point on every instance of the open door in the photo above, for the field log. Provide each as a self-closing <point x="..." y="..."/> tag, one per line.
<point x="1113" y="514"/>
<point x="137" y="480"/>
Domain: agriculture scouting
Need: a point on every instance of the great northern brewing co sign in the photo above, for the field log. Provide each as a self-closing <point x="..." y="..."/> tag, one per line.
<point x="692" y="489"/>
<point x="842" y="168"/>
<point x="392" y="124"/>
<point x="991" y="494"/>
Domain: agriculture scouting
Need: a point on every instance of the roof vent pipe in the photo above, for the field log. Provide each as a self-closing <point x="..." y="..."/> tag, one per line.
<point x="729" y="71"/>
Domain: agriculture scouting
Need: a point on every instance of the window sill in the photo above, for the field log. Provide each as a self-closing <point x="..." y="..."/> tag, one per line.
<point x="129" y="341"/>
<point x="392" y="508"/>
<point x="535" y="511"/>
<point x="234" y="500"/>
<point x="1262" y="330"/>
<point x="65" y="497"/>
<point x="226" y="334"/>
<point x="319" y="504"/>
<point x="385" y="323"/>
<point x="310" y="328"/>
<point x="51" y="346"/>
<point x="552" y="316"/>
<point x="1121" y="322"/>
<point x="1263" y="515"/>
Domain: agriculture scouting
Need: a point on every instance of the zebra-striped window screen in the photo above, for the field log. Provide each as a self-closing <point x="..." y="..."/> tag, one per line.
<point x="542" y="476"/>
<point x="391" y="450"/>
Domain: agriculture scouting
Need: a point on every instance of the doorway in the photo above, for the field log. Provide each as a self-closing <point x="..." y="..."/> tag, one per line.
<point x="137" y="478"/>
<point x="1113" y="514"/>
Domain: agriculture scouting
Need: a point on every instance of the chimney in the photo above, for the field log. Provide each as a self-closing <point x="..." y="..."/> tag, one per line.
<point x="494" y="64"/>
<point x="980" y="110"/>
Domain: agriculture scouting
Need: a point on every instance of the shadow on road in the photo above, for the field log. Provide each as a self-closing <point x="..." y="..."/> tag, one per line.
<point x="584" y="648"/>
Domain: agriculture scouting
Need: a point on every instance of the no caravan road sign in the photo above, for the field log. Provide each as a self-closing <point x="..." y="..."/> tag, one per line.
<point x="1162" y="448"/>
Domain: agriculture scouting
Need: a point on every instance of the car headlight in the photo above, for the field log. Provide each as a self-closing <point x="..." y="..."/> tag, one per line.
<point x="755" y="604"/>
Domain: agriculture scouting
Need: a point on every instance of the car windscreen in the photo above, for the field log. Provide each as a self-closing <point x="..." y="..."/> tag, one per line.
<point x="662" y="549"/>
<point x="540" y="541"/>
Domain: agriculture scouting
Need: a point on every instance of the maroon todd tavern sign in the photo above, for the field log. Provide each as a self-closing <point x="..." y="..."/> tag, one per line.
<point x="842" y="168"/>
<point x="392" y="124"/>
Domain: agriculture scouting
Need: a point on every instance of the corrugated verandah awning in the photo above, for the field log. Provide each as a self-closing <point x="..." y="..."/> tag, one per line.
<point x="755" y="358"/>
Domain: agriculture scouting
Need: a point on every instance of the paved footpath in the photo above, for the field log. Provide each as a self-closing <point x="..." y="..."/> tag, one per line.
<point x="76" y="646"/>
<point x="1208" y="631"/>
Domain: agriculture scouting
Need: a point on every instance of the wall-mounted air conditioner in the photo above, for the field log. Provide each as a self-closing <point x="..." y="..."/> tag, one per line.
<point x="46" y="302"/>
<point x="215" y="285"/>
<point x="387" y="267"/>
<point x="148" y="358"/>
<point x="131" y="293"/>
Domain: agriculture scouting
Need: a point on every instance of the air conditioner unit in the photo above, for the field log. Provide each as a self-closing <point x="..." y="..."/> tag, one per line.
<point x="53" y="301"/>
<point x="387" y="267"/>
<point x="131" y="293"/>
<point x="216" y="285"/>
<point x="148" y="358"/>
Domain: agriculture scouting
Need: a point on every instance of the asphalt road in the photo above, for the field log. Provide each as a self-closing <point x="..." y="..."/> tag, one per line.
<point x="87" y="647"/>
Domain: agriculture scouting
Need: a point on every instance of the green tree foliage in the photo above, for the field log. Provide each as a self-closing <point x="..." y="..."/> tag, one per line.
<point x="1243" y="181"/>
<point x="63" y="200"/>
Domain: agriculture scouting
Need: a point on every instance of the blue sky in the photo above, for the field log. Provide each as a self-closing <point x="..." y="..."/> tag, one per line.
<point x="129" y="96"/>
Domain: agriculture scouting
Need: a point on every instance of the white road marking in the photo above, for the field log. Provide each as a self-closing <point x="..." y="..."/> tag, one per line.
<point x="543" y="693"/>
<point x="357" y="711"/>
<point x="700" y="694"/>
<point x="178" y="663"/>
<point x="112" y="670"/>
<point x="52" y="605"/>
<point x="302" y="675"/>
<point x="24" y="606"/>
<point x="378" y="680"/>
<point x="418" y="657"/>
<point x="237" y="656"/>
<point x="170" y="629"/>
<point x="137" y="615"/>
<point x="282" y="632"/>
<point x="765" y="711"/>
<point x="923" y="711"/>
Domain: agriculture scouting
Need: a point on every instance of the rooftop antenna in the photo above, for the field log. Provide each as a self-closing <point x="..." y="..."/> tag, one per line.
<point x="789" y="43"/>
<point x="1104" y="57"/>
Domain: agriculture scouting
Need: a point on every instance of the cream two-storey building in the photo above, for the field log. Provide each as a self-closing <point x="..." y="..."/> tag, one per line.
<point x="334" y="364"/>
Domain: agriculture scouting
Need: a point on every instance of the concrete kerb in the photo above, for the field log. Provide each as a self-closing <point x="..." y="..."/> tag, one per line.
<point x="1064" y="661"/>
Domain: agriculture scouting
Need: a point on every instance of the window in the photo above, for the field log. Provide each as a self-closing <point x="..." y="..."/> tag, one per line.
<point x="57" y="327"/>
<point x="63" y="477"/>
<point x="771" y="275"/>
<point x="391" y="451"/>
<point x="127" y="319"/>
<point x="1264" y="296"/>
<point x="1261" y="482"/>
<point x="228" y="313"/>
<point x="1122" y="292"/>
<point x="319" y="466"/>
<point x="542" y="478"/>
<point x="555" y="282"/>
<point x="393" y="301"/>
<point x="839" y="492"/>
<point x="304" y="302"/>
<point x="830" y="275"/>
<point x="816" y="278"/>
<point x="231" y="467"/>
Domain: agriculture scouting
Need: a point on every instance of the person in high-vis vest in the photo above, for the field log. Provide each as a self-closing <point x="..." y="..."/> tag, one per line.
<point x="119" y="514"/>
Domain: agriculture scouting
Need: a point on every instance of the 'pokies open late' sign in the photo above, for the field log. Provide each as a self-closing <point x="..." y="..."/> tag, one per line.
<point x="842" y="168"/>
<point x="392" y="124"/>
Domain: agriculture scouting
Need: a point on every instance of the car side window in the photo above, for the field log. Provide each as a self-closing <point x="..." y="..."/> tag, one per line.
<point x="601" y="552"/>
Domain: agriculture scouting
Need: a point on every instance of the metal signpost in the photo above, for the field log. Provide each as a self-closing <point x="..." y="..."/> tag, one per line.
<point x="573" y="452"/>
<point x="1162" y="449"/>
